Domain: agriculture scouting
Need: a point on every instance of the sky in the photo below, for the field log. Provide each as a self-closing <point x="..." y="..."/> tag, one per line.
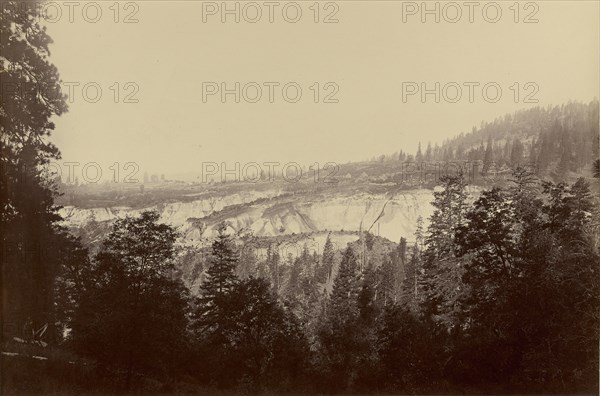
<point x="161" y="67"/>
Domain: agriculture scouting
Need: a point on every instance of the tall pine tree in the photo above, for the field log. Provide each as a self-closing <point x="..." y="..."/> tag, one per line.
<point x="442" y="270"/>
<point x="220" y="280"/>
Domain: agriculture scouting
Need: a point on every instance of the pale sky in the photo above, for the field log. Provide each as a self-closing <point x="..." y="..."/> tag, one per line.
<point x="369" y="54"/>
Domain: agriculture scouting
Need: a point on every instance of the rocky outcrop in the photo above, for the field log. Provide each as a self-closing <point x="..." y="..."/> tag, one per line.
<point x="270" y="213"/>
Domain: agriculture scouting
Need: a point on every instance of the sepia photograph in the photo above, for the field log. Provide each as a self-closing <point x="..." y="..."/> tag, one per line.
<point x="310" y="197"/>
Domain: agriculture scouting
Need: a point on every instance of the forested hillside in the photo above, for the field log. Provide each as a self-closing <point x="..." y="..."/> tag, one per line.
<point x="494" y="292"/>
<point x="555" y="141"/>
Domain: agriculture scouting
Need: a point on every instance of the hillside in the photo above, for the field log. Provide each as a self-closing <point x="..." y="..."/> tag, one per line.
<point x="560" y="142"/>
<point x="385" y="196"/>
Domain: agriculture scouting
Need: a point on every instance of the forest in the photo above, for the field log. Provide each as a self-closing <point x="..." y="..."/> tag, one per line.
<point x="498" y="296"/>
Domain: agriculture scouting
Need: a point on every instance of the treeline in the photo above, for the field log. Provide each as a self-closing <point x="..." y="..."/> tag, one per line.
<point x="501" y="296"/>
<point x="555" y="141"/>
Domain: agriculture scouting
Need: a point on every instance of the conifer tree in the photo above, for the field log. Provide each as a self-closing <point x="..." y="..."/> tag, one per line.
<point x="419" y="155"/>
<point x="388" y="282"/>
<point x="367" y="296"/>
<point x="442" y="270"/>
<point x="516" y="153"/>
<point x="248" y="262"/>
<point x="429" y="152"/>
<point x="328" y="256"/>
<point x="410" y="284"/>
<point x="345" y="289"/>
<point x="488" y="158"/>
<point x="220" y="280"/>
<point x="274" y="267"/>
<point x="30" y="102"/>
<point x="341" y="341"/>
<point x="131" y="313"/>
<point x="222" y="264"/>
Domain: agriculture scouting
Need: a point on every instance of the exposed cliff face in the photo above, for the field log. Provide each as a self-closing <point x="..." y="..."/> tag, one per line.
<point x="270" y="213"/>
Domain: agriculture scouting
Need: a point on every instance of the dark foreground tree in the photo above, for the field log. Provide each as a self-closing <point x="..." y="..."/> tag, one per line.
<point x="531" y="314"/>
<point x="339" y="340"/>
<point x="131" y="313"/>
<point x="411" y="352"/>
<point x="265" y="346"/>
<point x="211" y="312"/>
<point x="30" y="97"/>
<point x="244" y="337"/>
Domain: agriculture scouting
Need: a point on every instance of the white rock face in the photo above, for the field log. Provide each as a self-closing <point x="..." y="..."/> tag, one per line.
<point x="391" y="215"/>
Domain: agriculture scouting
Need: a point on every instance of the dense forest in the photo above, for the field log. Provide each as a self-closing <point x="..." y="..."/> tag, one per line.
<point x="501" y="296"/>
<point x="554" y="142"/>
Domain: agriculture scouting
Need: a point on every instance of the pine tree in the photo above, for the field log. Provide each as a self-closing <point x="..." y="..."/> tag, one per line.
<point x="523" y="191"/>
<point x="442" y="270"/>
<point x="262" y="344"/>
<point x="366" y="299"/>
<point x="274" y="267"/>
<point x="516" y="153"/>
<point x="488" y="158"/>
<point x="544" y="154"/>
<point x="293" y="288"/>
<point x="448" y="214"/>
<point x="402" y="250"/>
<point x="419" y="234"/>
<point x="222" y="265"/>
<point x="221" y="278"/>
<point x="429" y="153"/>
<point x="328" y="257"/>
<point x="28" y="217"/>
<point x="248" y="262"/>
<point x="346" y="286"/>
<point x="131" y="313"/>
<point x="411" y="282"/>
<point x="387" y="293"/>
<point x="409" y="289"/>
<point x="340" y="335"/>
<point x="564" y="164"/>
<point x="520" y="251"/>
<point x="419" y="155"/>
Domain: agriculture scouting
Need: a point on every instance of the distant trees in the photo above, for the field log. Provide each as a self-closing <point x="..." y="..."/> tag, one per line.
<point x="555" y="141"/>
<point x="516" y="153"/>
<point x="488" y="158"/>
<point x="419" y="155"/>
